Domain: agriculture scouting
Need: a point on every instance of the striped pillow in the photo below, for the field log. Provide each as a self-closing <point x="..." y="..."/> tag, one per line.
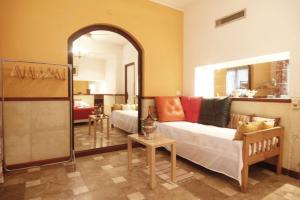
<point x="236" y="118"/>
<point x="270" y="121"/>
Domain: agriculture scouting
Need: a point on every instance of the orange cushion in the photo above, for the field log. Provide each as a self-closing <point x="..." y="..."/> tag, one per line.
<point x="169" y="109"/>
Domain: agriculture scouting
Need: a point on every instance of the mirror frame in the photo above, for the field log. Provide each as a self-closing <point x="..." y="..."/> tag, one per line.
<point x="138" y="47"/>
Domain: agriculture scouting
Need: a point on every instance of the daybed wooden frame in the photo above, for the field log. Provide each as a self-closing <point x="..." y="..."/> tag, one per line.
<point x="251" y="143"/>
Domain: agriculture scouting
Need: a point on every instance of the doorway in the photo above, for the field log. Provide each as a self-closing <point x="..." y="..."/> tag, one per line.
<point x="97" y="124"/>
<point x="130" y="88"/>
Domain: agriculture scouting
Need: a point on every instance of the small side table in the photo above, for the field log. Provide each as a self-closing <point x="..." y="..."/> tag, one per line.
<point x="151" y="146"/>
<point x="95" y="120"/>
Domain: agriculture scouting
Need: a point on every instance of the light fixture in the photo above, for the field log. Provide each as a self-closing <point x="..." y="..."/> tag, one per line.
<point x="77" y="49"/>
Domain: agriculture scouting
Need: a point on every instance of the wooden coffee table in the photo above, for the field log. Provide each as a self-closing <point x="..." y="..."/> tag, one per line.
<point x="95" y="120"/>
<point x="151" y="145"/>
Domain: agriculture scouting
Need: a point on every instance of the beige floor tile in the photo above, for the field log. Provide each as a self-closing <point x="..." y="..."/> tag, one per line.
<point x="273" y="197"/>
<point x="80" y="190"/>
<point x="136" y="196"/>
<point x="199" y="176"/>
<point x="98" y="158"/>
<point x="107" y="167"/>
<point x="33" y="183"/>
<point x="136" y="160"/>
<point x="290" y="196"/>
<point x="73" y="174"/>
<point x="228" y="191"/>
<point x="119" y="179"/>
<point x="169" y="185"/>
<point x="252" y="181"/>
<point x="52" y="182"/>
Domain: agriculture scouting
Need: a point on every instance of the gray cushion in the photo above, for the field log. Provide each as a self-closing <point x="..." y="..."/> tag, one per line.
<point x="215" y="111"/>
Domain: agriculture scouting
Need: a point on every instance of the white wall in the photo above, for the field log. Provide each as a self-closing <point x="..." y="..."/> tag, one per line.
<point x="130" y="55"/>
<point x="271" y="26"/>
<point x="101" y="65"/>
<point x="104" y="64"/>
<point x="90" y="68"/>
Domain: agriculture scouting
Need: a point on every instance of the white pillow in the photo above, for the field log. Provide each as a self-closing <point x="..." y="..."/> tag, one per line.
<point x="80" y="104"/>
<point x="128" y="107"/>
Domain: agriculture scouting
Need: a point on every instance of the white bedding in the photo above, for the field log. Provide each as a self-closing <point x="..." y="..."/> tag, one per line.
<point x="209" y="146"/>
<point x="126" y="120"/>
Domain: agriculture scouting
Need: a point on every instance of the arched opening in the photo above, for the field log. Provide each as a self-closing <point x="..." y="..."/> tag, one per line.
<point x="137" y="46"/>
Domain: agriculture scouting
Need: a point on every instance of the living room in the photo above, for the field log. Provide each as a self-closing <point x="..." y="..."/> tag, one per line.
<point x="176" y="41"/>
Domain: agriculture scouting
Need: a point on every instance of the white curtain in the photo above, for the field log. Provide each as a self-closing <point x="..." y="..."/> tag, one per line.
<point x="234" y="77"/>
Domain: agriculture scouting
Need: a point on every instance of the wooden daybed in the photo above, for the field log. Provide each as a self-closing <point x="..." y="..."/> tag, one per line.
<point x="253" y="148"/>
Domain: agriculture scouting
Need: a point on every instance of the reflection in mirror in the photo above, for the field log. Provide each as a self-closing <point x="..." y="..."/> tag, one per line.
<point x="105" y="89"/>
<point x="262" y="80"/>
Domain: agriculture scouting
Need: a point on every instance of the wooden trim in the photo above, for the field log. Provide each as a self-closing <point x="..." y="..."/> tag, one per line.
<point x="250" y="77"/>
<point x="101" y="94"/>
<point x="36" y="98"/>
<point x="118" y="147"/>
<point x="245" y="99"/>
<point x="126" y="68"/>
<point x="149" y="97"/>
<point x="113" y="95"/>
<point x="131" y="39"/>
<point x="37" y="163"/>
<point x="285" y="171"/>
<point x="262" y="100"/>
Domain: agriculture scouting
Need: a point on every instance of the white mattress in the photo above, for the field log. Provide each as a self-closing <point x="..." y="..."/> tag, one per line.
<point x="209" y="146"/>
<point x="126" y="120"/>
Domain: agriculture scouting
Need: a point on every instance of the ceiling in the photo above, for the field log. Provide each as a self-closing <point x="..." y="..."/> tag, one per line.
<point x="107" y="37"/>
<point x="176" y="4"/>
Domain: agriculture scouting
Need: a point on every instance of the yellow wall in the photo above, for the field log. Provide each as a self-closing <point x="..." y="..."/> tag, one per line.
<point x="80" y="87"/>
<point x="261" y="73"/>
<point x="220" y="82"/>
<point x="38" y="30"/>
<point x="14" y="86"/>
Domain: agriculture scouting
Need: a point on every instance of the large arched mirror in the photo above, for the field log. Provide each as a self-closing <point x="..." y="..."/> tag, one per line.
<point x="106" y="88"/>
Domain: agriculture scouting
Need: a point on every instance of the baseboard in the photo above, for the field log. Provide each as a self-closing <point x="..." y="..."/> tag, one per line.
<point x="285" y="171"/>
<point x="119" y="147"/>
<point x="37" y="163"/>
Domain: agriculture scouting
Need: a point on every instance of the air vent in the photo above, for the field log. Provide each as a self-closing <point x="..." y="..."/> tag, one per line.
<point x="230" y="18"/>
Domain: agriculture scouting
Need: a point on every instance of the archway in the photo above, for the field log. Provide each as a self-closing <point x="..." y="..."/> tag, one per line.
<point x="138" y="47"/>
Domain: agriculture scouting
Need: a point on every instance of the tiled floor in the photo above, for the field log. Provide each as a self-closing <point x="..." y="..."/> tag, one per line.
<point x="84" y="141"/>
<point x="106" y="176"/>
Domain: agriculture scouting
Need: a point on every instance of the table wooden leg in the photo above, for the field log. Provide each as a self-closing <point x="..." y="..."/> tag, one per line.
<point x="173" y="162"/>
<point x="108" y="127"/>
<point x="152" y="168"/>
<point x="148" y="157"/>
<point x="101" y="125"/>
<point x="129" y="152"/>
<point x="90" y="123"/>
<point x="95" y="129"/>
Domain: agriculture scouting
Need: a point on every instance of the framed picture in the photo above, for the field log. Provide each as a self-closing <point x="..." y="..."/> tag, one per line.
<point x="75" y="70"/>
